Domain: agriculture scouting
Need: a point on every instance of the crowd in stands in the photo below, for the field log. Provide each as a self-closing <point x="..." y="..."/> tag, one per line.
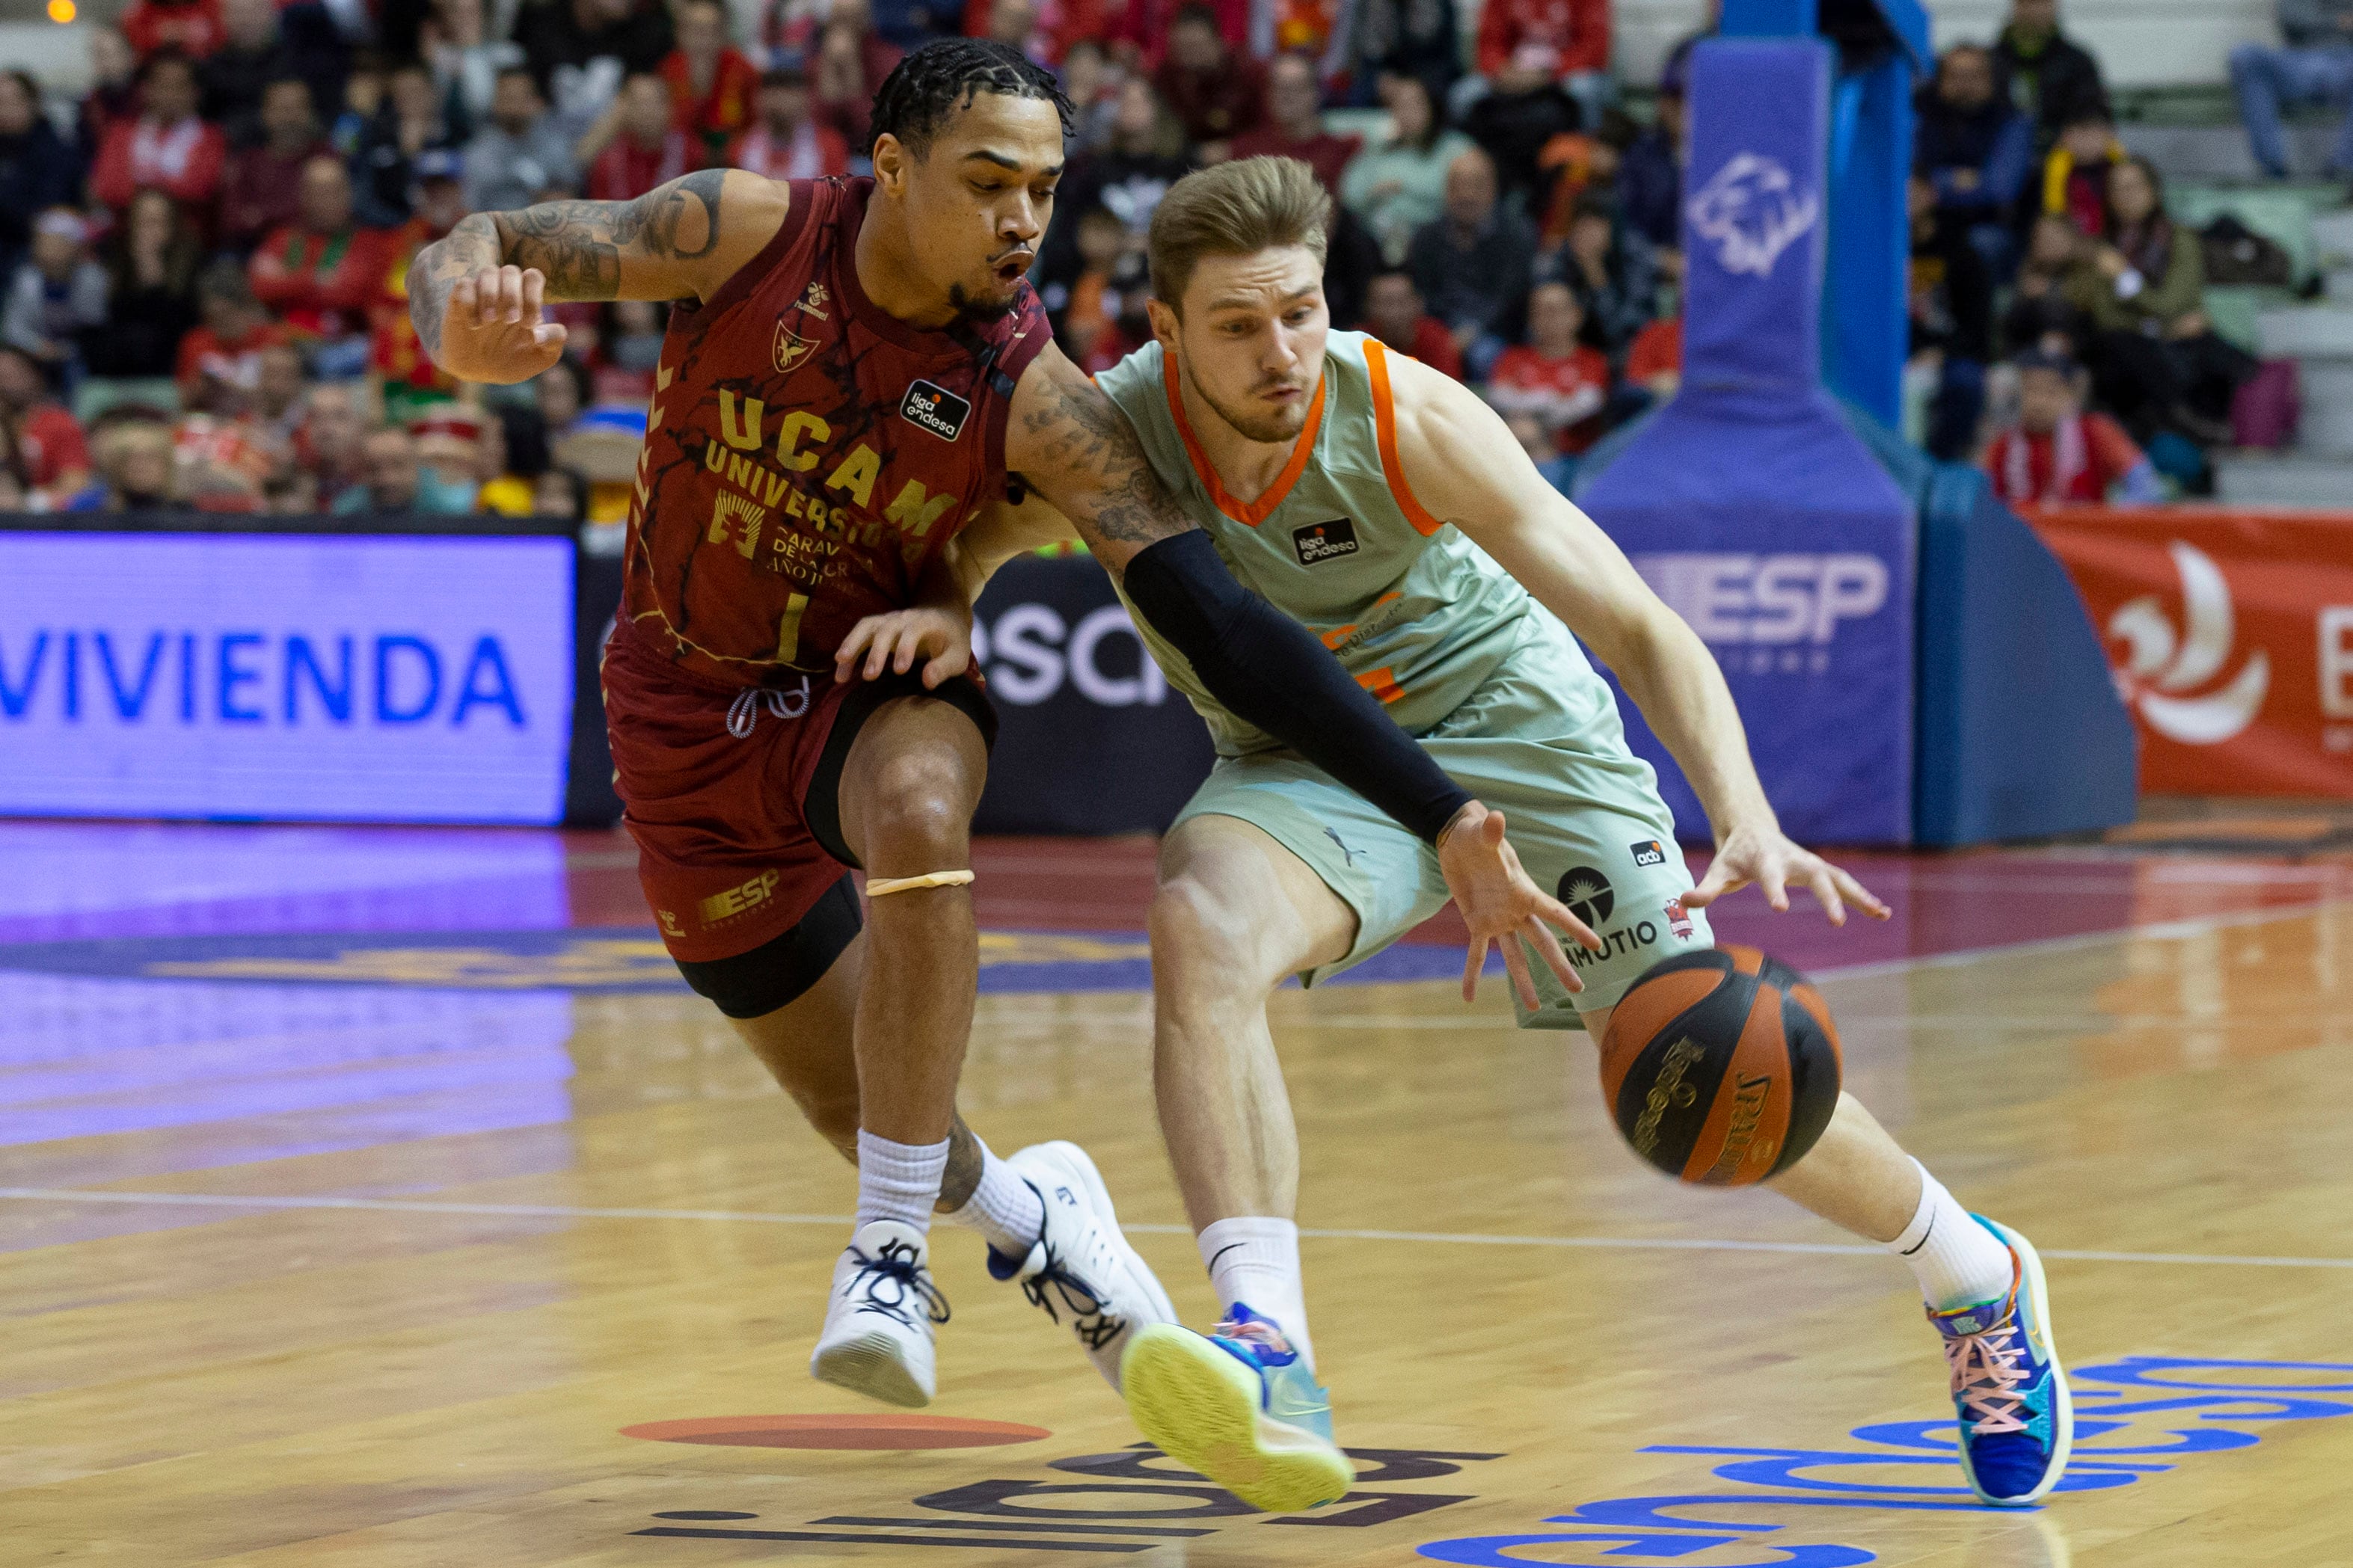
<point x="2036" y="240"/>
<point x="205" y="257"/>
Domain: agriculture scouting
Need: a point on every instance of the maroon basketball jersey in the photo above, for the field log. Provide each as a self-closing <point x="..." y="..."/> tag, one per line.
<point x="807" y="455"/>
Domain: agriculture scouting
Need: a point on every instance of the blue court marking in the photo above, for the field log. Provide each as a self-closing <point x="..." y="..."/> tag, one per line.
<point x="1631" y="1532"/>
<point x="599" y="959"/>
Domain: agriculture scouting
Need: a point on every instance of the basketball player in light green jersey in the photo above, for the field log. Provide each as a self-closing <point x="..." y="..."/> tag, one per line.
<point x="1387" y="507"/>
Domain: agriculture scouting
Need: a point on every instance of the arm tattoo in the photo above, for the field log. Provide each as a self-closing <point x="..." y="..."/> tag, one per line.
<point x="463" y="251"/>
<point x="579" y="244"/>
<point x="576" y="245"/>
<point x="1119" y="499"/>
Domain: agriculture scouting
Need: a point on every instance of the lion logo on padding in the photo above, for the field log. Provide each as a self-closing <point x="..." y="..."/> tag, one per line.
<point x="1752" y="210"/>
<point x="2160" y="665"/>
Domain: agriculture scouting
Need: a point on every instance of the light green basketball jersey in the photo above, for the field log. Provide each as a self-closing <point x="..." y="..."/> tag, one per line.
<point x="1417" y="613"/>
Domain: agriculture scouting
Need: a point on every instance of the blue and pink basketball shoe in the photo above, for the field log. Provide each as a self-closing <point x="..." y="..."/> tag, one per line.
<point x="2017" y="1419"/>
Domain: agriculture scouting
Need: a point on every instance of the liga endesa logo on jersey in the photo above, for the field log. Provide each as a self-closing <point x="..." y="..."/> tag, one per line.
<point x="935" y="409"/>
<point x="1327" y="541"/>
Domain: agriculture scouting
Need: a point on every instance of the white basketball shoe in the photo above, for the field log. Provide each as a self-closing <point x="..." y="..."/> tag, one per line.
<point x="877" y="1325"/>
<point x="1082" y="1265"/>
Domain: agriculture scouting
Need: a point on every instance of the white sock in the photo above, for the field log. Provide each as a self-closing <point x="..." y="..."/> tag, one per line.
<point x="898" y="1181"/>
<point x="1005" y="1209"/>
<point x="1957" y="1261"/>
<point x="1255" y="1261"/>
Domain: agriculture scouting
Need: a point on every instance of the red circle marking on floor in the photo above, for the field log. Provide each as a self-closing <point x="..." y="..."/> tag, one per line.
<point x="838" y="1431"/>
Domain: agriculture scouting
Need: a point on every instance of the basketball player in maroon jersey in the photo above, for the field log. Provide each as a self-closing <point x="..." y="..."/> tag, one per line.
<point x="854" y="371"/>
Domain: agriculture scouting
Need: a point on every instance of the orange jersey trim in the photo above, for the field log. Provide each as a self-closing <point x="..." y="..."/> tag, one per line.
<point x="1377" y="361"/>
<point x="1250" y="513"/>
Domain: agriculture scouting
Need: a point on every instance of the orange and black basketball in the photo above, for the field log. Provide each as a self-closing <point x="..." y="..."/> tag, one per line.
<point x="1722" y="1066"/>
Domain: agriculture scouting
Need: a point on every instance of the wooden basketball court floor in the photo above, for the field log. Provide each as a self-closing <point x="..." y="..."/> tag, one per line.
<point x="376" y="1197"/>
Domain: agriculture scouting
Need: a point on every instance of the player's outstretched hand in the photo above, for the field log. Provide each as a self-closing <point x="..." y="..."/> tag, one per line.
<point x="1767" y="857"/>
<point x="492" y="331"/>
<point x="895" y="641"/>
<point x="1500" y="905"/>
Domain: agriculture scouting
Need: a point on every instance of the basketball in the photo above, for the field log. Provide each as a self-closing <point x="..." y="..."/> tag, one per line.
<point x="1721" y="1066"/>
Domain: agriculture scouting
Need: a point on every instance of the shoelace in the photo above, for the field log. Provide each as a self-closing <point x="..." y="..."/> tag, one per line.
<point x="909" y="1284"/>
<point x="1988" y="1370"/>
<point x="1257" y="1332"/>
<point x="1091" y="1317"/>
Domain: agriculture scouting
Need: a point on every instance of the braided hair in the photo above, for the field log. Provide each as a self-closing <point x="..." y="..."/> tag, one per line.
<point x="944" y="76"/>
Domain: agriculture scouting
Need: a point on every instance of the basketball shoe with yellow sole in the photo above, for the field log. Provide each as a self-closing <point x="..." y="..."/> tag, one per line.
<point x="1237" y="1406"/>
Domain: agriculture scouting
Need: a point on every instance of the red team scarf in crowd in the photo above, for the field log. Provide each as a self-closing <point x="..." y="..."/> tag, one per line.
<point x="2070" y="461"/>
<point x="159" y="156"/>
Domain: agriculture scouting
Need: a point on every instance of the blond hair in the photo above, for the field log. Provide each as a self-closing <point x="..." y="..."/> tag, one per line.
<point x="1234" y="209"/>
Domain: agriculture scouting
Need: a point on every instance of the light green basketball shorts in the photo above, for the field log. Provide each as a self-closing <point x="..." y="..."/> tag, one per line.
<point x="1539" y="741"/>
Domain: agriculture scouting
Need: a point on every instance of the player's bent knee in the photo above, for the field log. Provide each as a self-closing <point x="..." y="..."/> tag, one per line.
<point x="1201" y="930"/>
<point x="781" y="971"/>
<point x="913" y="834"/>
<point x="919" y="804"/>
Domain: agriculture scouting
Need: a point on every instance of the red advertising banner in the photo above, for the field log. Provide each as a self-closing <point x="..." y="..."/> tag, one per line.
<point x="2231" y="636"/>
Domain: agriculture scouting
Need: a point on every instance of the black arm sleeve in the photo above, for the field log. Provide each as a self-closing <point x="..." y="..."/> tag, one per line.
<point x="1271" y="670"/>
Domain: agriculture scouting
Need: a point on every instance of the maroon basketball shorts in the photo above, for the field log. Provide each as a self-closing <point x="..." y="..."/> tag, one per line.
<point x="732" y="794"/>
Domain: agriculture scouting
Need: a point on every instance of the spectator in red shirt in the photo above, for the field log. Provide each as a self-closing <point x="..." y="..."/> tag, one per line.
<point x="1394" y="314"/>
<point x="394" y="354"/>
<point x="647" y="149"/>
<point x="787" y="143"/>
<point x="1560" y="381"/>
<point x="264" y="188"/>
<point x="711" y="84"/>
<point x="193" y="27"/>
<point x="1294" y="126"/>
<point x="1215" y="93"/>
<point x="54" y="458"/>
<point x="2057" y="454"/>
<point x="167" y="146"/>
<point x="1575" y="34"/>
<point x="321" y="272"/>
<point x="222" y="358"/>
<point x="1655" y="360"/>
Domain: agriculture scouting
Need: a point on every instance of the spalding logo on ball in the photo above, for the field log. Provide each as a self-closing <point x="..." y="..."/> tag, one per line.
<point x="1721" y="1066"/>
